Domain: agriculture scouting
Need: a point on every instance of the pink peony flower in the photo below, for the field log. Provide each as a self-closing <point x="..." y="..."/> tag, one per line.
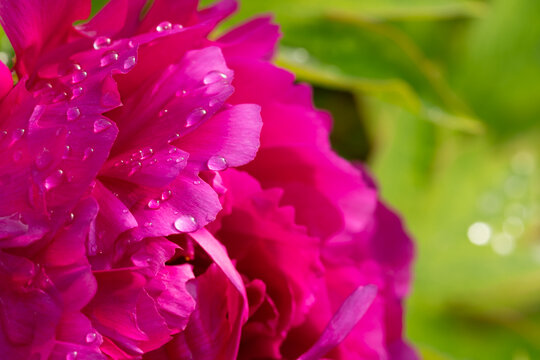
<point x="125" y="232"/>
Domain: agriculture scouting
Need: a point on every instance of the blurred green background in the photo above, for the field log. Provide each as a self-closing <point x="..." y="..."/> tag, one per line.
<point x="441" y="98"/>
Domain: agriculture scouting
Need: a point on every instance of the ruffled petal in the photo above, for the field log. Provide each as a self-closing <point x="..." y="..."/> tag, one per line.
<point x="36" y="27"/>
<point x="257" y="39"/>
<point x="348" y="315"/>
<point x="230" y="138"/>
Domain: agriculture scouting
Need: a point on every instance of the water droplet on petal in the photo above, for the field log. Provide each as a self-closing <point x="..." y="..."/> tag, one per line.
<point x="181" y="93"/>
<point x="72" y="355"/>
<point x="108" y="58"/>
<point x="135" y="168"/>
<point x="71" y="217"/>
<point x="78" y="76"/>
<point x="76" y="92"/>
<point x="91" y="337"/>
<point x="177" y="27"/>
<point x="145" y="153"/>
<point x="132" y="44"/>
<point x="73" y="113"/>
<point x="129" y="63"/>
<point x="101" y="125"/>
<point x="173" y="138"/>
<point x="154" y="204"/>
<point x="163" y="26"/>
<point x="163" y="112"/>
<point x="87" y="153"/>
<point x="213" y="77"/>
<point x="166" y="195"/>
<point x="148" y="224"/>
<point x="54" y="179"/>
<point x="213" y="102"/>
<point x="195" y="117"/>
<point x="196" y="182"/>
<point x="16" y="136"/>
<point x="67" y="151"/>
<point x="43" y="159"/>
<point x="60" y="97"/>
<point x="217" y="163"/>
<point x="186" y="223"/>
<point x="101" y="42"/>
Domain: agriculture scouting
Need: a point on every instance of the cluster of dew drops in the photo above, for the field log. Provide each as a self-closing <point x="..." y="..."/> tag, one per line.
<point x="184" y="223"/>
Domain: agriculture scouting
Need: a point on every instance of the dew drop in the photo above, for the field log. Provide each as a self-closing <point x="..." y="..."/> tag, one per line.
<point x="177" y="27"/>
<point x="87" y="153"/>
<point x="67" y="151"/>
<point x="71" y="217"/>
<point x="173" y="138"/>
<point x="132" y="44"/>
<point x="108" y="58"/>
<point x="60" y="97"/>
<point x="166" y="195"/>
<point x="76" y="92"/>
<point x="217" y="163"/>
<point x="73" y="113"/>
<point x="145" y="153"/>
<point x="148" y="224"/>
<point x="181" y="93"/>
<point x="135" y="168"/>
<point x="16" y="136"/>
<point x="129" y="63"/>
<point x="163" y="112"/>
<point x="43" y="159"/>
<point x="154" y="204"/>
<point x="78" y="76"/>
<point x="91" y="337"/>
<point x="213" y="102"/>
<point x="196" y="182"/>
<point x="54" y="179"/>
<point x="213" y="77"/>
<point x="72" y="355"/>
<point x="195" y="117"/>
<point x="101" y="125"/>
<point x="101" y="42"/>
<point x="186" y="223"/>
<point x="163" y="26"/>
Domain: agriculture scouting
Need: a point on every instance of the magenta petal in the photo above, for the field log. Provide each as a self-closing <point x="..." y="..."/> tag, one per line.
<point x="212" y="331"/>
<point x="218" y="253"/>
<point x="148" y="167"/>
<point x="175" y="303"/>
<point x="255" y="39"/>
<point x="158" y="111"/>
<point x="29" y="309"/>
<point x="230" y="138"/>
<point x="37" y="26"/>
<point x="6" y="80"/>
<point x="176" y="12"/>
<point x="191" y="204"/>
<point x="347" y="316"/>
<point x="126" y="19"/>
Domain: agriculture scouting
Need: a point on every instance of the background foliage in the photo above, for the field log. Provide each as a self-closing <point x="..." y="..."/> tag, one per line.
<point x="441" y="98"/>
